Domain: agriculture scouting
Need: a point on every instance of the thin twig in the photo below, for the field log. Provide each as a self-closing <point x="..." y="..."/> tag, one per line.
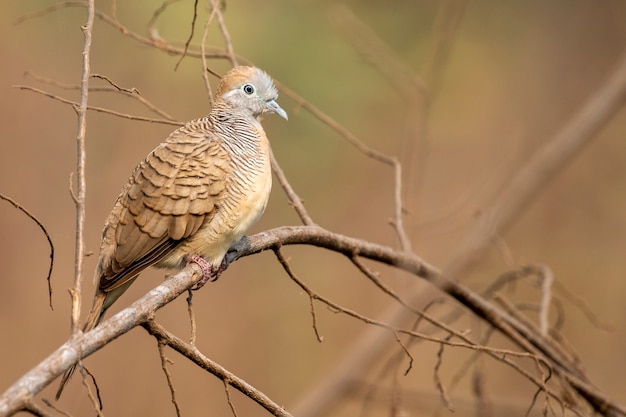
<point x="437" y="379"/>
<point x="517" y="193"/>
<point x="140" y="311"/>
<point x="500" y="354"/>
<point x="547" y="279"/>
<point x="584" y="308"/>
<point x="95" y="398"/>
<point x="80" y="169"/>
<point x="153" y="41"/>
<point x="228" y="43"/>
<point x="484" y="404"/>
<point x="114" y="85"/>
<point x="193" y="29"/>
<point x="398" y="222"/>
<point x="228" y="399"/>
<point x="164" y="361"/>
<point x="99" y="109"/>
<point x="295" y="200"/>
<point x="203" y="60"/>
<point x="194" y="355"/>
<point x="34" y="409"/>
<point x="192" y="317"/>
<point x="126" y="92"/>
<point x="151" y="25"/>
<point x="54" y="407"/>
<point x="312" y="296"/>
<point x="48" y="238"/>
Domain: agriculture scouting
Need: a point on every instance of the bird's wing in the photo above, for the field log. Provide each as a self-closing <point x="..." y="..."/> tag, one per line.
<point x="169" y="196"/>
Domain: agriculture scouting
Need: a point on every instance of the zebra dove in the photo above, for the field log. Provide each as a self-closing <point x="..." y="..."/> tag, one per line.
<point x="194" y="196"/>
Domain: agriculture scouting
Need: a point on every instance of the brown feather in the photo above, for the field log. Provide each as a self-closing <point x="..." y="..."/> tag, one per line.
<point x="195" y="194"/>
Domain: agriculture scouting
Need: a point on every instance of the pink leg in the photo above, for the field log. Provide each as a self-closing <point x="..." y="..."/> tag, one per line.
<point x="207" y="270"/>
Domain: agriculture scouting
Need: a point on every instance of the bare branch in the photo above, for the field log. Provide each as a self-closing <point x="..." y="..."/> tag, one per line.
<point x="192" y="317"/>
<point x="294" y="199"/>
<point x="99" y="109"/>
<point x="164" y="361"/>
<point x="132" y="93"/>
<point x="224" y="30"/>
<point x="522" y="188"/>
<point x="437" y="378"/>
<point x="203" y="60"/>
<point x="48" y="238"/>
<point x="80" y="169"/>
<point x="193" y="354"/>
<point x="155" y="41"/>
<point x="393" y="162"/>
<point x="193" y="27"/>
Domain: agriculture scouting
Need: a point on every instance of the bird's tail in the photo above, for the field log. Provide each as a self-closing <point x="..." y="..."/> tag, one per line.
<point x="93" y="319"/>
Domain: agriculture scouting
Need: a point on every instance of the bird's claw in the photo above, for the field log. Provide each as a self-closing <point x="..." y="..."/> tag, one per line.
<point x="205" y="266"/>
<point x="208" y="274"/>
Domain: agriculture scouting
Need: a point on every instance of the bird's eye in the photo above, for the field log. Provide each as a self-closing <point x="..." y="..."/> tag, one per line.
<point x="248" y="89"/>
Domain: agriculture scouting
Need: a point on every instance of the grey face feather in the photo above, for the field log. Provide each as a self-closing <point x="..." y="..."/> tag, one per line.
<point x="255" y="92"/>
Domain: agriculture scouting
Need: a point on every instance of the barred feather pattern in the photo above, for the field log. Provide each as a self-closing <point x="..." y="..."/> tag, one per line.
<point x="195" y="194"/>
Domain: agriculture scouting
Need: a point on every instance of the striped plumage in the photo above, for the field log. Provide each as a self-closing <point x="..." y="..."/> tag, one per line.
<point x="194" y="196"/>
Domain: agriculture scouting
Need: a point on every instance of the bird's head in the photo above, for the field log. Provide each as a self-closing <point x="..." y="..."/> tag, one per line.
<point x="249" y="89"/>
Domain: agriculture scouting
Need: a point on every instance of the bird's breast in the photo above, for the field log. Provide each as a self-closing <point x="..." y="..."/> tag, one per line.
<point x="240" y="205"/>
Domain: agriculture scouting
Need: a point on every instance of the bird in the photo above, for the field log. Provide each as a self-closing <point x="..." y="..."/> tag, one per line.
<point x="193" y="196"/>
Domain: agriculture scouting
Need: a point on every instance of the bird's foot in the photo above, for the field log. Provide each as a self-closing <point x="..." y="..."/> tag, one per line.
<point x="207" y="270"/>
<point x="223" y="266"/>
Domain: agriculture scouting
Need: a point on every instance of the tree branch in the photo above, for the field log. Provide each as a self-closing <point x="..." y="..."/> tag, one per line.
<point x="192" y="353"/>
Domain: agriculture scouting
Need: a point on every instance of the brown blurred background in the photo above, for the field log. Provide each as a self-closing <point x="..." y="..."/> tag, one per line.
<point x="518" y="71"/>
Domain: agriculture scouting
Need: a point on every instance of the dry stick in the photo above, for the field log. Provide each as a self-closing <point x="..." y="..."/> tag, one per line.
<point x="164" y="361"/>
<point x="193" y="29"/>
<point x="192" y="317"/>
<point x="516" y="195"/>
<point x="317" y="236"/>
<point x="153" y="41"/>
<point x="294" y="199"/>
<point x="228" y="399"/>
<point x="150" y="27"/>
<point x="95" y="398"/>
<point x="36" y="410"/>
<point x="224" y="30"/>
<point x="83" y="345"/>
<point x="421" y="314"/>
<point x="98" y="109"/>
<point x="522" y="188"/>
<point x="499" y="354"/>
<point x="584" y="308"/>
<point x="81" y="109"/>
<point x="398" y="221"/>
<point x="419" y="91"/>
<point x="205" y="66"/>
<point x="437" y="378"/>
<point x="127" y="92"/>
<point x="193" y="354"/>
<point x="376" y="53"/>
<point x="45" y="232"/>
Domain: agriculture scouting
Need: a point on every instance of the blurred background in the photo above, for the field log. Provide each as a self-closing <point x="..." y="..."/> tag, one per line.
<point x="516" y="73"/>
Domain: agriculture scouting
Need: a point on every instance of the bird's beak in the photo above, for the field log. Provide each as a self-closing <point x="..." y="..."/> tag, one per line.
<point x="275" y="108"/>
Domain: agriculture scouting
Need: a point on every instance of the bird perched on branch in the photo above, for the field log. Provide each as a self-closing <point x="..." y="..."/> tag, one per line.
<point x="194" y="196"/>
